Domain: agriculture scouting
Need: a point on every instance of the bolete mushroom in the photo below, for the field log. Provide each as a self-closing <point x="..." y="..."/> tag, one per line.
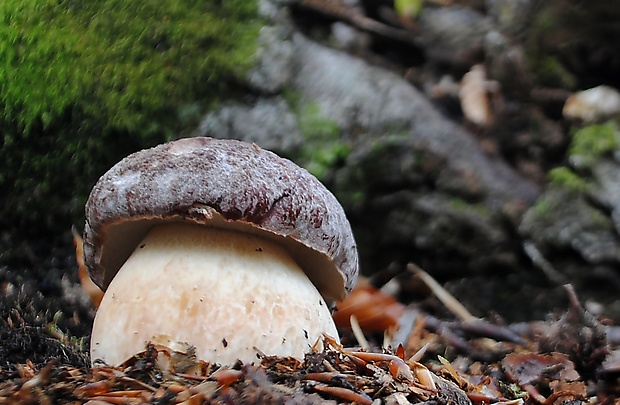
<point x="215" y="243"/>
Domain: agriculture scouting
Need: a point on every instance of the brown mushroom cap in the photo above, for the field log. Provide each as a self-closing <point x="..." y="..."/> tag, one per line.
<point x="223" y="183"/>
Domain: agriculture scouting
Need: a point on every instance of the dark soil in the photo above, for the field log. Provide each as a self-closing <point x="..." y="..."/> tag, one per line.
<point x="44" y="314"/>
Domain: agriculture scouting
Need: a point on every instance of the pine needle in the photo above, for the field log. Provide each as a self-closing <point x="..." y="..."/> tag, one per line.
<point x="358" y="333"/>
<point x="451" y="303"/>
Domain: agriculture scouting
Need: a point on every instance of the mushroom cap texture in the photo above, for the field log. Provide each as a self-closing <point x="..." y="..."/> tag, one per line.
<point x="224" y="183"/>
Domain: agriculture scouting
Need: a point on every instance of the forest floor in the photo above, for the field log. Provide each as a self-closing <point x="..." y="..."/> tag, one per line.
<point x="442" y="355"/>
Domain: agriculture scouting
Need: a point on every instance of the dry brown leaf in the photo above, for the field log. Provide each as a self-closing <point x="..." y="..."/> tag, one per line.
<point x="94" y="292"/>
<point x="374" y="310"/>
<point x="526" y="368"/>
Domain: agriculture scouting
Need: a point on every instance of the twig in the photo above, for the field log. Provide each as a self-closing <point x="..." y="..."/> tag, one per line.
<point x="485" y="329"/>
<point x="451" y="303"/>
<point x="543" y="264"/>
<point x="572" y="297"/>
<point x="357" y="19"/>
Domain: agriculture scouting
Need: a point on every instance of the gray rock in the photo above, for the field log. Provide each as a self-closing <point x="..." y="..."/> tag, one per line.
<point x="412" y="178"/>
<point x="506" y="63"/>
<point x="566" y="221"/>
<point x="275" y="10"/>
<point x="511" y="16"/>
<point x="273" y="68"/>
<point x="607" y="175"/>
<point x="349" y="91"/>
<point x="269" y="123"/>
<point x="453" y="34"/>
<point x="444" y="234"/>
<point x="370" y="100"/>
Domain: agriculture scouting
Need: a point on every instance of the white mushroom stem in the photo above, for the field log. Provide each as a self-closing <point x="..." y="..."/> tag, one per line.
<point x="222" y="291"/>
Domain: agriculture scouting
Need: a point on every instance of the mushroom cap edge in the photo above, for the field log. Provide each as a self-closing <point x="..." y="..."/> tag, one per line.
<point x="224" y="183"/>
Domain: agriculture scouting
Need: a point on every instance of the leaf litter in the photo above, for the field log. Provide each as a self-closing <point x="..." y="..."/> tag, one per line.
<point x="466" y="360"/>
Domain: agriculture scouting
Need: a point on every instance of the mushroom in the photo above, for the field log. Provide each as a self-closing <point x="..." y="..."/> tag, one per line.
<point x="218" y="244"/>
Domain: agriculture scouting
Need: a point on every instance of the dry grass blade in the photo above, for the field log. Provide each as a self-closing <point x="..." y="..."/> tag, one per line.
<point x="358" y="333"/>
<point x="451" y="303"/>
<point x="417" y="356"/>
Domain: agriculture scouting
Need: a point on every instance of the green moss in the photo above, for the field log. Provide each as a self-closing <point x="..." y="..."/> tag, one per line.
<point x="461" y="205"/>
<point x="546" y="35"/>
<point x="314" y="125"/>
<point x="118" y="61"/>
<point x="543" y="208"/>
<point x="592" y="142"/>
<point x="588" y="145"/>
<point x="550" y="72"/>
<point x="563" y="177"/>
<point x="322" y="159"/>
<point x="322" y="149"/>
<point x="84" y="83"/>
<point x="512" y="390"/>
<point x="356" y="197"/>
<point x="545" y="23"/>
